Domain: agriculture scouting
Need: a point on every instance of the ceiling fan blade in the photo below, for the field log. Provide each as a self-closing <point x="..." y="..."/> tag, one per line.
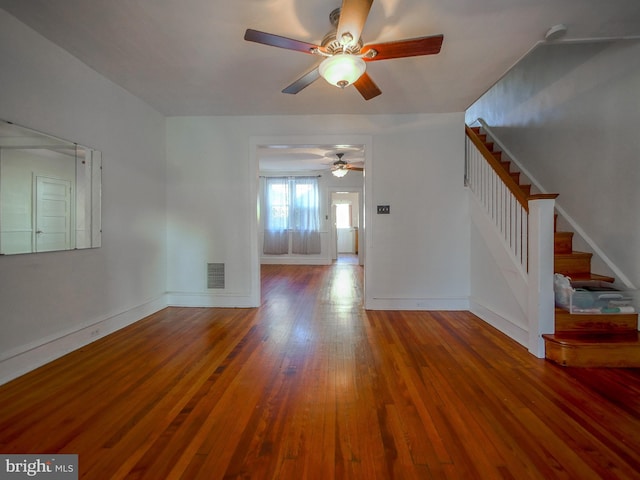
<point x="411" y="47"/>
<point x="353" y="15"/>
<point x="278" y="41"/>
<point x="367" y="88"/>
<point x="304" y="81"/>
<point x="356" y="169"/>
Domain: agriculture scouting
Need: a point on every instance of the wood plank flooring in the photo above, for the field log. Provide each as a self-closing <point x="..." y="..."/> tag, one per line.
<point x="312" y="386"/>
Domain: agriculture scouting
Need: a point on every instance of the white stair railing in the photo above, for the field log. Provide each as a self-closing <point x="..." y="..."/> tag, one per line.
<point x="525" y="223"/>
<point x="509" y="216"/>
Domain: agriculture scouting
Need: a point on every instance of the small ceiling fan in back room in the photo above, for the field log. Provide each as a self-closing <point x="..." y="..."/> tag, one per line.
<point x="340" y="167"/>
<point x="344" y="54"/>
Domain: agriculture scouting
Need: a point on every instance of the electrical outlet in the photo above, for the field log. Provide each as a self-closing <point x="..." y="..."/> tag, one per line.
<point x="384" y="209"/>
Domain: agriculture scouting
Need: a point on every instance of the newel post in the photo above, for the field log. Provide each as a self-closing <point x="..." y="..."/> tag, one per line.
<point x="541" y="299"/>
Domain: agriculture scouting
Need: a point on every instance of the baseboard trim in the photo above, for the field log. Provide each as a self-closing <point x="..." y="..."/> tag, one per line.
<point x="453" y="303"/>
<point x="506" y="326"/>
<point x="227" y="300"/>
<point x="284" y="260"/>
<point x="29" y="357"/>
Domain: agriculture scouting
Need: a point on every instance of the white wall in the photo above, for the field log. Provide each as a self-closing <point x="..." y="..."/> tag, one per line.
<point x="418" y="255"/>
<point x="51" y="303"/>
<point x="414" y="163"/>
<point x="570" y="114"/>
<point x="499" y="287"/>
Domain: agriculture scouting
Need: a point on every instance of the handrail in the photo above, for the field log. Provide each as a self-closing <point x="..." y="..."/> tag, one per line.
<point x="512" y="158"/>
<point x="510" y="183"/>
<point x="505" y="203"/>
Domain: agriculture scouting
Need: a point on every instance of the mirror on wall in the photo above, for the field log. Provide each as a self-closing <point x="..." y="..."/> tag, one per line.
<point x="50" y="192"/>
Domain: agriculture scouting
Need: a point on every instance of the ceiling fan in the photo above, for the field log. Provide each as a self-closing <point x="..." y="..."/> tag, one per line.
<point x="343" y="51"/>
<point x="340" y="168"/>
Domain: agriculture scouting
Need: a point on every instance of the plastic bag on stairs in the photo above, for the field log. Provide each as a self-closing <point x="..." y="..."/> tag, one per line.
<point x="562" y="290"/>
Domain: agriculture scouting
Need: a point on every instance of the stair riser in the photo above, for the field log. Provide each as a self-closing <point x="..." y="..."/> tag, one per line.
<point x="563" y="242"/>
<point x="608" y="356"/>
<point x="572" y="265"/>
<point x="595" y="324"/>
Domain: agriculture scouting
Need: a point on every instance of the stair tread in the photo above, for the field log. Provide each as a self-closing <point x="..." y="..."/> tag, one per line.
<point x="575" y="253"/>
<point x="590" y="276"/>
<point x="595" y="340"/>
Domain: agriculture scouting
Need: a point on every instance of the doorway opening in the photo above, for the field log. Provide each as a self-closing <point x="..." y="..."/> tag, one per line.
<point x="346" y="219"/>
<point x="315" y="155"/>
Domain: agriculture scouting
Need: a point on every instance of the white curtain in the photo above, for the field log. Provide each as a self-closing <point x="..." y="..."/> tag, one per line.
<point x="305" y="224"/>
<point x="276" y="219"/>
<point x="291" y="205"/>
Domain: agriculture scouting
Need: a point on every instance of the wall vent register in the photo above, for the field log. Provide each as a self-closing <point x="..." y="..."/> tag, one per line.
<point x="215" y="275"/>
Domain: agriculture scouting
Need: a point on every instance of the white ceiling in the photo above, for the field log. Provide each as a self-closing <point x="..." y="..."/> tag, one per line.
<point x="188" y="57"/>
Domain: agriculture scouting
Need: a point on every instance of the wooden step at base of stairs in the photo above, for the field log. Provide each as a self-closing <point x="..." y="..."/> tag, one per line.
<point x="610" y="351"/>
<point x="592" y="324"/>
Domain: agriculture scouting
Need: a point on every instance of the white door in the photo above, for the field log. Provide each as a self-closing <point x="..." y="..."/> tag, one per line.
<point x="53" y="214"/>
<point x="345" y="228"/>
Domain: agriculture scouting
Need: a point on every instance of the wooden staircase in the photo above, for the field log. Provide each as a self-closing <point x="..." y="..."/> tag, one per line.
<point x="589" y="340"/>
<point x="582" y="340"/>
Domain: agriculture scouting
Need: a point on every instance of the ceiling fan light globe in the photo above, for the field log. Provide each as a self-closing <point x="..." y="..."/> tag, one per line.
<point x="339" y="172"/>
<point x="342" y="69"/>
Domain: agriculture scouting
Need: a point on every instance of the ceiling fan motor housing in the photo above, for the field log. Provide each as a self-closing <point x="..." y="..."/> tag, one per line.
<point x="331" y="44"/>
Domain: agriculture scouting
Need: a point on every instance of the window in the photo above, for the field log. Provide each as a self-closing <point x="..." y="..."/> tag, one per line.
<point x="291" y="216"/>
<point x="277" y="201"/>
<point x="343" y="215"/>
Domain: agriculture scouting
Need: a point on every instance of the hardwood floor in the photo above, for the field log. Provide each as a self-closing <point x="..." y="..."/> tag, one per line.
<point x="311" y="385"/>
